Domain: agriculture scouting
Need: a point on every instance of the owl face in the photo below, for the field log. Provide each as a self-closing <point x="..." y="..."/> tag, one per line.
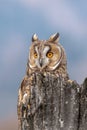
<point x="45" y="54"/>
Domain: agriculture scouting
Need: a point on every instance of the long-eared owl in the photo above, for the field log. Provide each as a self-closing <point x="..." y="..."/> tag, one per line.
<point x="46" y="57"/>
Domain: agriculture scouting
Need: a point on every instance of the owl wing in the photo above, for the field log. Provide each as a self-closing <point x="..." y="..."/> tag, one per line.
<point x="29" y="100"/>
<point x="23" y="100"/>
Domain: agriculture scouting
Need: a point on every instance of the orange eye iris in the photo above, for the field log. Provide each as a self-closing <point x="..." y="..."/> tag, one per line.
<point x="49" y="54"/>
<point x="35" y="55"/>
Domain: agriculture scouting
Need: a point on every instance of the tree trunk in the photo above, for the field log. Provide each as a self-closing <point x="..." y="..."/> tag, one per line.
<point x="57" y="104"/>
<point x="83" y="106"/>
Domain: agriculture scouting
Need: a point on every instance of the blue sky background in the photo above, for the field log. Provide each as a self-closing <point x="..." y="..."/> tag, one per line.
<point x="19" y="20"/>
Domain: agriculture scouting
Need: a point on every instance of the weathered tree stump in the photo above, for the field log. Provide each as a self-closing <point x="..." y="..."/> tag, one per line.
<point x="83" y="106"/>
<point x="56" y="104"/>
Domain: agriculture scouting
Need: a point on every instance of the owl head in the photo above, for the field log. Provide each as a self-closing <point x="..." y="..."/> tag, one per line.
<point x="46" y="54"/>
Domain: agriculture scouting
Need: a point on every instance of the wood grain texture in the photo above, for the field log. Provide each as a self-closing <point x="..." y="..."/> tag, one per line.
<point x="83" y="106"/>
<point x="55" y="104"/>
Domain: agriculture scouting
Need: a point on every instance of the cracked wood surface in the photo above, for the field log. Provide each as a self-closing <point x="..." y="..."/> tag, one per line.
<point x="57" y="104"/>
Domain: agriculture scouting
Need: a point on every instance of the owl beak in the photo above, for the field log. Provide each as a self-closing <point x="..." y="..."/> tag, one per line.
<point x="41" y="62"/>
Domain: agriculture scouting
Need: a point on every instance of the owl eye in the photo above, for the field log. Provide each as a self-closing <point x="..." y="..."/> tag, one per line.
<point x="35" y="55"/>
<point x="49" y="54"/>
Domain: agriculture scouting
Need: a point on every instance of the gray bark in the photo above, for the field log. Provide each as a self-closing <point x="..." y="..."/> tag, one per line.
<point x="83" y="106"/>
<point x="56" y="104"/>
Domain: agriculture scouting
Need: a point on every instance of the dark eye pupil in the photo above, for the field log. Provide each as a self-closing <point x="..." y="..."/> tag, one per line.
<point x="35" y="55"/>
<point x="49" y="54"/>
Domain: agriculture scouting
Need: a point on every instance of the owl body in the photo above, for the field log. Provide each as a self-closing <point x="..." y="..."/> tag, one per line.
<point x="45" y="57"/>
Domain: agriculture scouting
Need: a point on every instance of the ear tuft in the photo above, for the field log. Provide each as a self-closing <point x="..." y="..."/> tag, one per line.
<point x="34" y="38"/>
<point x="54" y="37"/>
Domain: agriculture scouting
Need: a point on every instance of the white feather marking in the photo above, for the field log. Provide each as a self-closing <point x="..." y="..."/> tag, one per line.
<point x="31" y="66"/>
<point x="46" y="49"/>
<point x="24" y="98"/>
<point x="36" y="49"/>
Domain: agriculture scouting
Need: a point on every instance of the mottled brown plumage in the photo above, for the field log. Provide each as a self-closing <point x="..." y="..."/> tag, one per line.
<point x="45" y="57"/>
